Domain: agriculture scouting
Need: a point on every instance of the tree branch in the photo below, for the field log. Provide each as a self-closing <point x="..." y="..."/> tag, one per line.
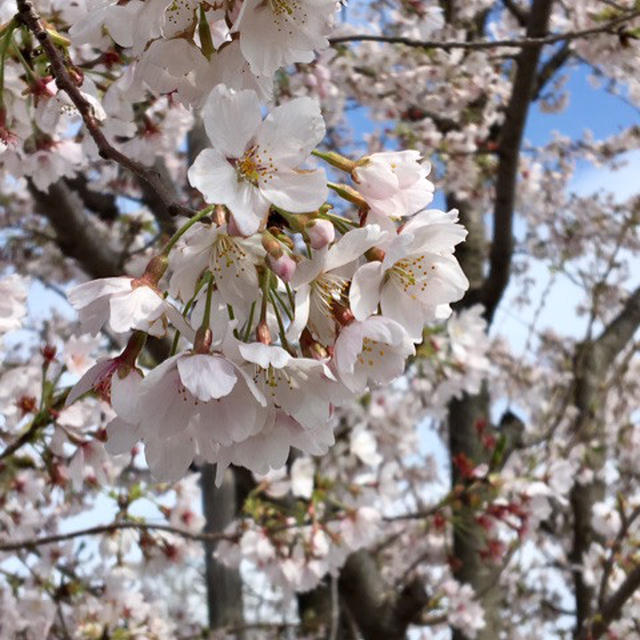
<point x="76" y="233"/>
<point x="620" y="330"/>
<point x="592" y="361"/>
<point x="64" y="81"/>
<point x="31" y="543"/>
<point x="379" y="614"/>
<point x="549" y="69"/>
<point x="533" y="41"/>
<point x="509" y="151"/>
<point x="612" y="607"/>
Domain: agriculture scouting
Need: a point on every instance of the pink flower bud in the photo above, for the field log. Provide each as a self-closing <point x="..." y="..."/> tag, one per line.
<point x="284" y="266"/>
<point x="320" y="232"/>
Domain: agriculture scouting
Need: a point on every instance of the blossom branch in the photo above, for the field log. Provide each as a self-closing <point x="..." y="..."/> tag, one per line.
<point x="612" y="607"/>
<point x="111" y="528"/>
<point x="615" y="548"/>
<point x="65" y="82"/>
<point x="41" y="419"/>
<point x="529" y="42"/>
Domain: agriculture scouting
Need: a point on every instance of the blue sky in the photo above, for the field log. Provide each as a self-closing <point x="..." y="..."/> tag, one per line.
<point x="603" y="114"/>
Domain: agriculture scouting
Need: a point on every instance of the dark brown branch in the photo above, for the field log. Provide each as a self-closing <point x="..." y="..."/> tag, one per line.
<point x="593" y="360"/>
<point x="620" y="330"/>
<point x="65" y="82"/>
<point x="549" y="69"/>
<point x="612" y="607"/>
<point x="76" y="234"/>
<point x="379" y="614"/>
<point x="516" y="11"/>
<point x="533" y="41"/>
<point x="102" y="204"/>
<point x="32" y="543"/>
<point x="509" y="150"/>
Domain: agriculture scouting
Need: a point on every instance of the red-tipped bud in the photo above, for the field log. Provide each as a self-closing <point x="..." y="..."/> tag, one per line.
<point x="343" y="315"/>
<point x="48" y="353"/>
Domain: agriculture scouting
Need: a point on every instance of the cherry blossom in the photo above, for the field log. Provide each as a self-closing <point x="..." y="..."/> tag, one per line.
<point x="394" y="184"/>
<point x="250" y="168"/>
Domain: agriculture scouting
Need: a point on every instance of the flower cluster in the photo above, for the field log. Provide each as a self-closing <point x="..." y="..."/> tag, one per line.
<point x="286" y="308"/>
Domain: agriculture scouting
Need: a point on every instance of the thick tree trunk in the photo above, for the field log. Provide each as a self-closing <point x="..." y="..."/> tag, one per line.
<point x="224" y="585"/>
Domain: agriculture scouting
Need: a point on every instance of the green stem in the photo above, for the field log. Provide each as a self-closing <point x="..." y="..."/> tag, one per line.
<point x="247" y="331"/>
<point x="266" y="279"/>
<point x="335" y="160"/>
<point x="207" y="310"/>
<point x="185" y="227"/>
<point x="187" y="308"/>
<point x="282" y="304"/>
<point x="27" y="68"/>
<point x="292" y="300"/>
<point x="339" y="221"/>
<point x="349" y="194"/>
<point x="4" y="47"/>
<point x="283" y="338"/>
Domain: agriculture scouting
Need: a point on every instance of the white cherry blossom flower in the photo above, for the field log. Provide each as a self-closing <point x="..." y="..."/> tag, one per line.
<point x="231" y="259"/>
<point x="127" y="304"/>
<point x="106" y="17"/>
<point x="373" y="351"/>
<point x="174" y="65"/>
<point x="302" y="472"/>
<point x="322" y="281"/>
<point x="13" y="296"/>
<point x="285" y="381"/>
<point x="191" y="405"/>
<point x="394" y="183"/>
<point x="255" y="163"/>
<point x="275" y="33"/>
<point x="419" y="276"/>
<point x="270" y="447"/>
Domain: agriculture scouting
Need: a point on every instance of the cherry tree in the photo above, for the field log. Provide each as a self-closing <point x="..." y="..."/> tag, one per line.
<point x="254" y="382"/>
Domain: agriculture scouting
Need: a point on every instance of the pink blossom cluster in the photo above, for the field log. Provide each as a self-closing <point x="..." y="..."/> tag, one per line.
<point x="284" y="311"/>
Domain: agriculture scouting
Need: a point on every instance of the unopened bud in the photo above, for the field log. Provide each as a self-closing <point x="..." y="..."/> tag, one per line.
<point x="320" y="232"/>
<point x="374" y="254"/>
<point x="48" y="353"/>
<point x="263" y="334"/>
<point x="336" y="160"/>
<point x="280" y="262"/>
<point x="284" y="266"/>
<point x="271" y="244"/>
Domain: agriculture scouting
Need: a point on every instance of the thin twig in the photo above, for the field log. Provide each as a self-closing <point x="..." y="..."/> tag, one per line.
<point x="110" y="528"/>
<point x="520" y="43"/>
<point x="65" y="83"/>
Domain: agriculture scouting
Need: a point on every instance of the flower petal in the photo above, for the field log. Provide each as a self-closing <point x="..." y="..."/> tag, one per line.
<point x="207" y="376"/>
